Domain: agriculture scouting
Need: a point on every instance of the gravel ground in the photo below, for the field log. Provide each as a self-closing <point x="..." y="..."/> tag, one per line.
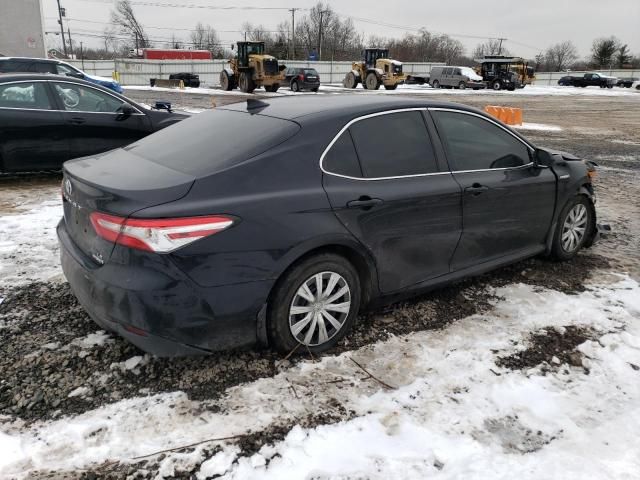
<point x="50" y="348"/>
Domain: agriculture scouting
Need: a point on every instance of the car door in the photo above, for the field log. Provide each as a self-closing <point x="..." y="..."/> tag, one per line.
<point x="95" y="121"/>
<point x="386" y="186"/>
<point x="31" y="130"/>
<point x="508" y="202"/>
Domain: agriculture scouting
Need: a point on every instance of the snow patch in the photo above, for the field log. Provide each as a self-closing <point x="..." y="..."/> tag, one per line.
<point x="538" y="126"/>
<point x="454" y="412"/>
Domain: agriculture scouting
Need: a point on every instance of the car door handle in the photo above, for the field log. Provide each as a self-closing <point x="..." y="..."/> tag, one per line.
<point x="476" y="189"/>
<point x="365" y="202"/>
<point x="77" y="120"/>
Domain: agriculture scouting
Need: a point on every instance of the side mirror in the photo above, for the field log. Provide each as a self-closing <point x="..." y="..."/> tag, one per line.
<point x="127" y="109"/>
<point x="163" y="106"/>
<point x="542" y="158"/>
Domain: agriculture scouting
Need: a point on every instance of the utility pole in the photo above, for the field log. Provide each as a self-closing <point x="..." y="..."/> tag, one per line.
<point x="500" y="46"/>
<point x="322" y="12"/>
<point x="64" y="44"/>
<point x="136" y="33"/>
<point x="70" y="42"/>
<point x="293" y="32"/>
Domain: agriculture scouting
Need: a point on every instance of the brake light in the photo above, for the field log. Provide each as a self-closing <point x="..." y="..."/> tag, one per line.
<point x="160" y="235"/>
<point x="301" y="77"/>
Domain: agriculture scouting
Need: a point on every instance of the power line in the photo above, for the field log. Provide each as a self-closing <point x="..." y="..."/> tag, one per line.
<point x="191" y="5"/>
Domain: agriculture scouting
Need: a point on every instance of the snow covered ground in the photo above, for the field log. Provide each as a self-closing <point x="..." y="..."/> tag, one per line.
<point x="410" y="89"/>
<point x="28" y="243"/>
<point x="452" y="412"/>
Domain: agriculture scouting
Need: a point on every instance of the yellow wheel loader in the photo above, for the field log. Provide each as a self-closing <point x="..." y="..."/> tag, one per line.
<point x="252" y="69"/>
<point x="375" y="69"/>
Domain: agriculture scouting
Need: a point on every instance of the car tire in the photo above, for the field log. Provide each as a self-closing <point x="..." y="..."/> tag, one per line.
<point x="496" y="85"/>
<point x="462" y="86"/>
<point x="295" y="87"/>
<point x="315" y="90"/>
<point x="297" y="290"/>
<point x="435" y="84"/>
<point x="574" y="228"/>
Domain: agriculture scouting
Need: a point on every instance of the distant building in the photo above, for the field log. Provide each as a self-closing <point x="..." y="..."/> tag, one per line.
<point x="21" y="32"/>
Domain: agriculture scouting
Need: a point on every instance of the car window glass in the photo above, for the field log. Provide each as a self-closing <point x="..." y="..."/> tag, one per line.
<point x="24" y="95"/>
<point x="64" y="70"/>
<point x="342" y="158"/>
<point x="78" y="98"/>
<point x="394" y="144"/>
<point x="473" y="143"/>
<point x="41" y="67"/>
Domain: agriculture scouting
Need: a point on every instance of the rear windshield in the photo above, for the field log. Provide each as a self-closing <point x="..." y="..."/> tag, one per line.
<point x="310" y="71"/>
<point x="213" y="141"/>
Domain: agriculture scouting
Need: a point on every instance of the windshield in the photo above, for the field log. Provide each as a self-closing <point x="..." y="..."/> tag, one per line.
<point x="310" y="71"/>
<point x="64" y="69"/>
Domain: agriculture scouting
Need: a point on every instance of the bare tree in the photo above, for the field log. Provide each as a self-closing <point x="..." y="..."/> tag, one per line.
<point x="110" y="40"/>
<point x="603" y="51"/>
<point x="204" y="37"/>
<point x="175" y="42"/>
<point x="560" y="56"/>
<point x="126" y="20"/>
<point x="490" y="47"/>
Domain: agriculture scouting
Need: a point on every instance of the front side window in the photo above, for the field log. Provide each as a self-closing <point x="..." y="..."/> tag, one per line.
<point x="31" y="96"/>
<point x="394" y="144"/>
<point x="78" y="98"/>
<point x="473" y="143"/>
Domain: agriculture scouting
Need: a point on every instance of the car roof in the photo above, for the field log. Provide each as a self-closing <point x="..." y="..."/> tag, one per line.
<point x="308" y="106"/>
<point x="17" y="77"/>
<point x="30" y="59"/>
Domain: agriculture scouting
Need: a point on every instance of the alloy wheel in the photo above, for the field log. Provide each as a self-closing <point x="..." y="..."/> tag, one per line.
<point x="319" y="308"/>
<point x="574" y="227"/>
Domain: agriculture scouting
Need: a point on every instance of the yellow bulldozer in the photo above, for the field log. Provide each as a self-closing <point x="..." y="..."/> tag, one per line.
<point x="375" y="69"/>
<point x="252" y="69"/>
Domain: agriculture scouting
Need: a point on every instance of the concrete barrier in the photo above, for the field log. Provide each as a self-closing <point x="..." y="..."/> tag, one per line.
<point x="164" y="83"/>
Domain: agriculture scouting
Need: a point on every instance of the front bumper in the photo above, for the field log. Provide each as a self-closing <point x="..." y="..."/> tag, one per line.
<point x="151" y="303"/>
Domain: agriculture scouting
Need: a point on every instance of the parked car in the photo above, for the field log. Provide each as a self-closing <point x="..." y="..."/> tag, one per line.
<point x="302" y="79"/>
<point x="626" y="82"/>
<point x="196" y="238"/>
<point x="594" y="80"/>
<point x="46" y="119"/>
<point x="566" y="81"/>
<point x="56" y="67"/>
<point x="636" y="85"/>
<point x="417" y="78"/>
<point x="455" y="77"/>
<point x="190" y="79"/>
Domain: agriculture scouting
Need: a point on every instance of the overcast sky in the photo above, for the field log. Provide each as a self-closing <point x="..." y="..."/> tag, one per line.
<point x="529" y="26"/>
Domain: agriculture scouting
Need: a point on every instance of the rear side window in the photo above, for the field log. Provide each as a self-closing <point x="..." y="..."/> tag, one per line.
<point x="342" y="158"/>
<point x="473" y="143"/>
<point x="42" y="67"/>
<point x="8" y="66"/>
<point x="213" y="141"/>
<point x="394" y="144"/>
<point x="32" y="96"/>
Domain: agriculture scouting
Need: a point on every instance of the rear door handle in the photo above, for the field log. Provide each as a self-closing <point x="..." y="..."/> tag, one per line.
<point x="77" y="120"/>
<point x="365" y="202"/>
<point x="476" y="189"/>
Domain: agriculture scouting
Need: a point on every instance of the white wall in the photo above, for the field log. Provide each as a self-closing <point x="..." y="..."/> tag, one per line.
<point x="21" y="33"/>
<point x="138" y="72"/>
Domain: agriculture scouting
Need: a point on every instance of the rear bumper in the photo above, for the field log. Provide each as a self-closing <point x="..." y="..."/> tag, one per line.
<point x="155" y="306"/>
<point x="309" y="85"/>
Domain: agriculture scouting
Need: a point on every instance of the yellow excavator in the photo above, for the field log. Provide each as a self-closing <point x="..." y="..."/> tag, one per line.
<point x="375" y="69"/>
<point x="252" y="69"/>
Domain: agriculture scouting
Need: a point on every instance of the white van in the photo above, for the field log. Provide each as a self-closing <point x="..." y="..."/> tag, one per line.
<point x="456" y="77"/>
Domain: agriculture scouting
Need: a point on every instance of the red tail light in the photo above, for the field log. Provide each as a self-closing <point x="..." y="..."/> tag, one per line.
<point x="161" y="235"/>
<point x="301" y="77"/>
